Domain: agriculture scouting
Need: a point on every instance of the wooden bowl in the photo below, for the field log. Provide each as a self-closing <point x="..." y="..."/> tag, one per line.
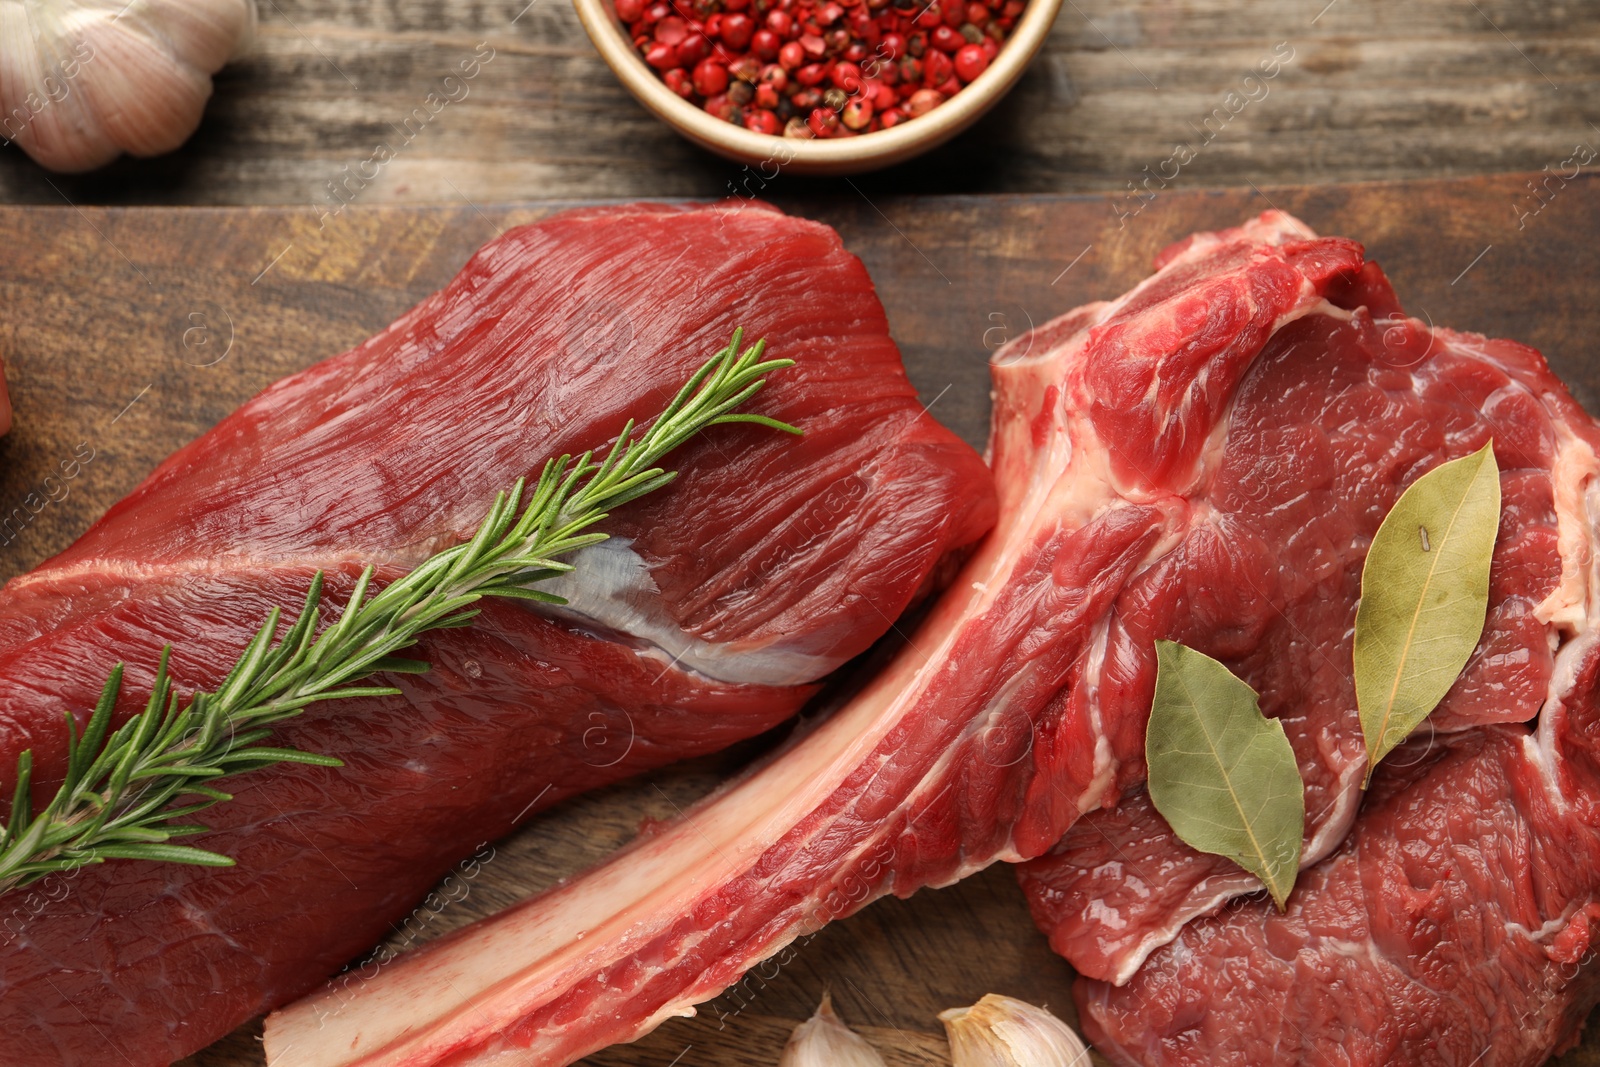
<point x="845" y="155"/>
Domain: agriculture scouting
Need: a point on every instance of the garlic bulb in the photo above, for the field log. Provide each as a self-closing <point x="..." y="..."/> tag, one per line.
<point x="84" y="80"/>
<point x="825" y="1041"/>
<point x="1002" y="1032"/>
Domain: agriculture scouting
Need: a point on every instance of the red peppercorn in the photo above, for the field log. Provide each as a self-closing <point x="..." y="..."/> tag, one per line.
<point x="818" y="68"/>
<point x="678" y="81"/>
<point x="693" y="48"/>
<point x="946" y="39"/>
<point x="765" y="44"/>
<point x="762" y="120"/>
<point x="737" y="31"/>
<point x="857" y="114"/>
<point x="846" y="76"/>
<point x="824" y="122"/>
<point x="924" y="101"/>
<point x="970" y="62"/>
<point x="710" y="78"/>
<point x="662" y="56"/>
<point x="671" y="31"/>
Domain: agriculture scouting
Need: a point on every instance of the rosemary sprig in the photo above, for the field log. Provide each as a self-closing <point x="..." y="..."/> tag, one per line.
<point x="126" y="790"/>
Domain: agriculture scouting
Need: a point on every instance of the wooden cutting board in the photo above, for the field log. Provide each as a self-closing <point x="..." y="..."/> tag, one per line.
<point x="130" y="331"/>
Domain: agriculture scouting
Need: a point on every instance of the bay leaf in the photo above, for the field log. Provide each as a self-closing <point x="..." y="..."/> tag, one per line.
<point x="1221" y="773"/>
<point x="1424" y="597"/>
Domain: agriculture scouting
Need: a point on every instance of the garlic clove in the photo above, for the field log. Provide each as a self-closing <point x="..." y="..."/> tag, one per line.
<point x="1003" y="1032"/>
<point x="825" y="1041"/>
<point x="84" y="80"/>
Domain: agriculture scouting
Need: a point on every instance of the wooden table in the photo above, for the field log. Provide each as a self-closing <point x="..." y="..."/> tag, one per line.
<point x="1424" y="88"/>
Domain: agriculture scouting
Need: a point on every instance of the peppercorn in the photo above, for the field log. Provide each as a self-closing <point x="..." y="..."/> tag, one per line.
<point x="710" y="78"/>
<point x="818" y="68"/>
<point x="662" y="56"/>
<point x="847" y="76"/>
<point x="970" y="62"/>
<point x="692" y="49"/>
<point x="946" y="39"/>
<point x="924" y="101"/>
<point x="857" y="114"/>
<point x="765" y="44"/>
<point x="762" y="121"/>
<point x="677" y="80"/>
<point x="824" y="122"/>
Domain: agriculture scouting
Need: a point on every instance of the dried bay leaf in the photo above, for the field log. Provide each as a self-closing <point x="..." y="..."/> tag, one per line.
<point x="1424" y="597"/>
<point x="1221" y="773"/>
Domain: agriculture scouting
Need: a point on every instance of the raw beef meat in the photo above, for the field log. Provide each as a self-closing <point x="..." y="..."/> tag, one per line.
<point x="1202" y="459"/>
<point x="1337" y="414"/>
<point x="1454" y="927"/>
<point x="707" y="618"/>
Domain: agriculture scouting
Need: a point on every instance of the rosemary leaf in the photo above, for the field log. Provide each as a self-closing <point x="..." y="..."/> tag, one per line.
<point x="123" y="789"/>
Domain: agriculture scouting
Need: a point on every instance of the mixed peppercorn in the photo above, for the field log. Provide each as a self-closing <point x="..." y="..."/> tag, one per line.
<point x="818" y="68"/>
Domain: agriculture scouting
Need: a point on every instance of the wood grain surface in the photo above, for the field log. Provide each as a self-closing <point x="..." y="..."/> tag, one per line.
<point x="1376" y="90"/>
<point x="130" y="331"/>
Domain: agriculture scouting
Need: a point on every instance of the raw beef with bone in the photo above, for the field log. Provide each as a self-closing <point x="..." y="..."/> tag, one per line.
<point x="1202" y="459"/>
<point x="708" y="617"/>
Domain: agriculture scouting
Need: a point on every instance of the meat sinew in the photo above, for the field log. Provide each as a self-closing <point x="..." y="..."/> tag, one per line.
<point x="1202" y="459"/>
<point x="707" y="617"/>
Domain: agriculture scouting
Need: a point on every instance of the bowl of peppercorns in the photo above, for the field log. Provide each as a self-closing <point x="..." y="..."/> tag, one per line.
<point x="818" y="86"/>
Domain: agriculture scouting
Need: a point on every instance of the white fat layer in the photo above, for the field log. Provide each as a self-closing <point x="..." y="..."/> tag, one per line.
<point x="610" y="586"/>
<point x="1572" y="605"/>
